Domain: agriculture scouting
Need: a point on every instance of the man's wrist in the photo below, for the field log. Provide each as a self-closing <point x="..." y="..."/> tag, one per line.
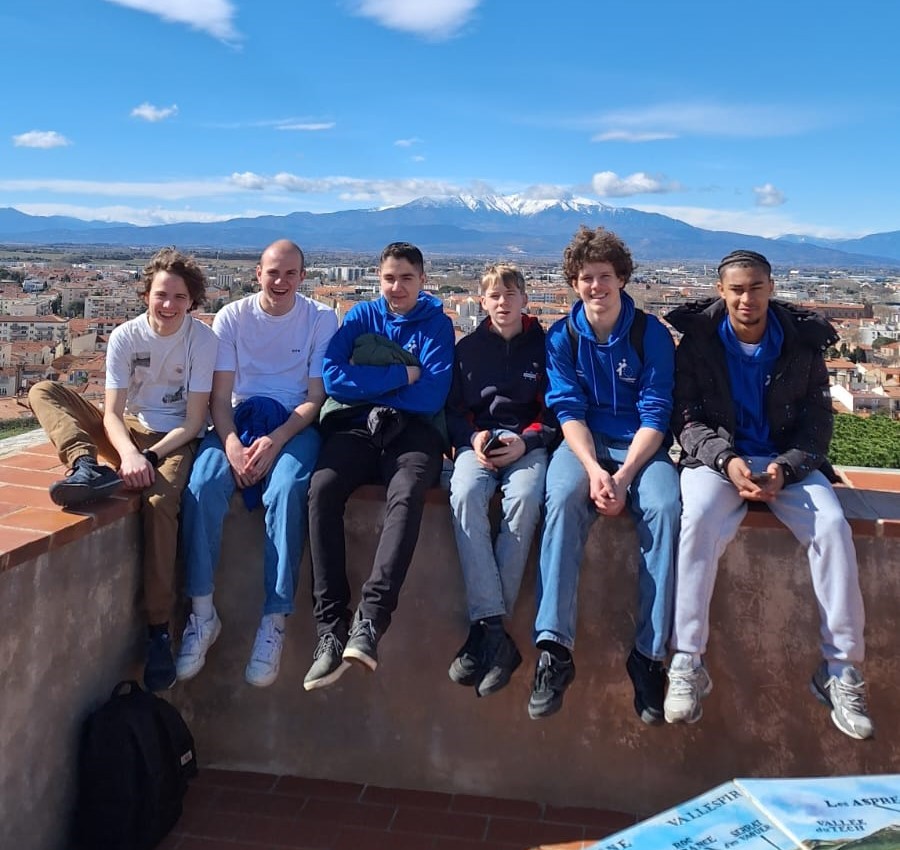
<point x="723" y="459"/>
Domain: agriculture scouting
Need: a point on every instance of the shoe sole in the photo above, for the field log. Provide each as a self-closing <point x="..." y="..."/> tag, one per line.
<point x="185" y="676"/>
<point x="262" y="681"/>
<point x="823" y="698"/>
<point x="502" y="683"/>
<point x="160" y="688"/>
<point x="465" y="680"/>
<point x="327" y="681"/>
<point x="360" y="658"/>
<point x="69" y="496"/>
<point x="541" y="713"/>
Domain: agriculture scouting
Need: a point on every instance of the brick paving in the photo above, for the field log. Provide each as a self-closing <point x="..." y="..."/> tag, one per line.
<point x="237" y="810"/>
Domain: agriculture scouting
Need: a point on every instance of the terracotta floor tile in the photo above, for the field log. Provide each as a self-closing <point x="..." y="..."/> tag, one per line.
<point x="51" y="521"/>
<point x="27" y="477"/>
<point x="325" y="789"/>
<point x="250" y="780"/>
<point x="407" y="797"/>
<point x="431" y="822"/>
<point x="533" y="833"/>
<point x="32" y="460"/>
<point x="495" y="806"/>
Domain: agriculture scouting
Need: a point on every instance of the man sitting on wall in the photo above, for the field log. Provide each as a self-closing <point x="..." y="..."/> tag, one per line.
<point x="754" y="419"/>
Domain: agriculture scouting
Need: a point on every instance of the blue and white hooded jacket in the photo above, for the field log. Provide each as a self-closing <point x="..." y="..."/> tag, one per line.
<point x="425" y="332"/>
<point x="608" y="386"/>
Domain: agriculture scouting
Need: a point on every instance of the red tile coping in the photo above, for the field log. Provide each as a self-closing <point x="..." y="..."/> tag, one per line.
<point x="31" y="525"/>
<point x="229" y="810"/>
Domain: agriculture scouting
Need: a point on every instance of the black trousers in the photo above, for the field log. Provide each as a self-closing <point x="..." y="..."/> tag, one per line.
<point x="407" y="466"/>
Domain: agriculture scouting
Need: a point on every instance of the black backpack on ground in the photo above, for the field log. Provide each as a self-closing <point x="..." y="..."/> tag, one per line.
<point x="135" y="759"/>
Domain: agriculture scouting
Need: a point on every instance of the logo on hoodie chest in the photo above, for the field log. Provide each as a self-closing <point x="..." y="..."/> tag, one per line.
<point x="625" y="373"/>
<point x="412" y="346"/>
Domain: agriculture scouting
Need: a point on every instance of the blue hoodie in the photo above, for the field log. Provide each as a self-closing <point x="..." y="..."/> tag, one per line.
<point x="425" y="332"/>
<point x="609" y="387"/>
<point x="750" y="375"/>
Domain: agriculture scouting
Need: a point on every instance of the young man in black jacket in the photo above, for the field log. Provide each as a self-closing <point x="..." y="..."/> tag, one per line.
<point x="753" y="417"/>
<point x="501" y="433"/>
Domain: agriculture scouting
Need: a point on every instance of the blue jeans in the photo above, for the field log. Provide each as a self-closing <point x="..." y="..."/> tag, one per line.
<point x="493" y="573"/>
<point x="205" y="504"/>
<point x="653" y="501"/>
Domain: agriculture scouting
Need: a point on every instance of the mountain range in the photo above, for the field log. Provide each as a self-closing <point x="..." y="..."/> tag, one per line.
<point x="499" y="227"/>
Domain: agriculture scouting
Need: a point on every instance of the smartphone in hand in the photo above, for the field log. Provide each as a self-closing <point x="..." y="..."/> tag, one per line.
<point x="761" y="478"/>
<point x="493" y="444"/>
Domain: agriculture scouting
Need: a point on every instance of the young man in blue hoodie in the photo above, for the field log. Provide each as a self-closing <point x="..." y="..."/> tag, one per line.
<point x="613" y="402"/>
<point x="388" y="371"/>
<point x="754" y="419"/>
<point x="501" y="433"/>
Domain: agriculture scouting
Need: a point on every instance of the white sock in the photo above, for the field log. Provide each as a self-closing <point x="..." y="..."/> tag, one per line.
<point x="202" y="606"/>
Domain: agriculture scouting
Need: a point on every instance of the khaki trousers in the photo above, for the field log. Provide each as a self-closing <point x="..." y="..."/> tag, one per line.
<point x="75" y="427"/>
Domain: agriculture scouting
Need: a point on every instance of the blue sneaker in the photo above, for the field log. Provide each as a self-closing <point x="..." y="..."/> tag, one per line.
<point x="87" y="481"/>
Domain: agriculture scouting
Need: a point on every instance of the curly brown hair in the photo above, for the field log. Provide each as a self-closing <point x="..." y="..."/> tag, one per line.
<point x="187" y="268"/>
<point x="597" y="246"/>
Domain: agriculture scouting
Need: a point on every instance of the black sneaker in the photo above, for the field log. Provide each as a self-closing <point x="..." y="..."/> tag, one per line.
<point x="86" y="481"/>
<point x="501" y="658"/>
<point x="362" y="645"/>
<point x="649" y="680"/>
<point x="159" y="669"/>
<point x="468" y="666"/>
<point x="328" y="664"/>
<point x="551" y="678"/>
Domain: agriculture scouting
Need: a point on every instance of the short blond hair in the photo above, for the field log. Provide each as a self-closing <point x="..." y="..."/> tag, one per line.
<point x="503" y="274"/>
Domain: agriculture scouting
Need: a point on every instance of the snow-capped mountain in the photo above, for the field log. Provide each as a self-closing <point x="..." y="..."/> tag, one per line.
<point x="490" y="226"/>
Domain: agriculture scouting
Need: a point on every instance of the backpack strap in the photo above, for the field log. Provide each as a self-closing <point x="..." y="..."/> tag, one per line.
<point x="635" y="335"/>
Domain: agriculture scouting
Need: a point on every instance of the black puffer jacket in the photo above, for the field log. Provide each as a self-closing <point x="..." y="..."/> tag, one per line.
<point x="798" y="400"/>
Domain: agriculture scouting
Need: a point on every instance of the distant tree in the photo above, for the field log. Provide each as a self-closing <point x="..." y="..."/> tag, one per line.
<point x="873" y="441"/>
<point x="832" y="353"/>
<point x="881" y="340"/>
<point x="76" y="310"/>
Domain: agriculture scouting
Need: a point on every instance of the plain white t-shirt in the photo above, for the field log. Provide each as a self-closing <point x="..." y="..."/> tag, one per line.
<point x="274" y="356"/>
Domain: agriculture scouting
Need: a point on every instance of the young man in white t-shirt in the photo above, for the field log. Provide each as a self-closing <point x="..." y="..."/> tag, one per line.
<point x="159" y="369"/>
<point x="267" y="391"/>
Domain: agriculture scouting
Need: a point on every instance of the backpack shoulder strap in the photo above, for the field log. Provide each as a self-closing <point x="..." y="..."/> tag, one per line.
<point x="636" y="334"/>
<point x="573" y="337"/>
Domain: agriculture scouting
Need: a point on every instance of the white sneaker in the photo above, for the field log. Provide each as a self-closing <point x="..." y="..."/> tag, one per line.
<point x="687" y="686"/>
<point x="265" y="660"/>
<point x="847" y="698"/>
<point x="199" y="636"/>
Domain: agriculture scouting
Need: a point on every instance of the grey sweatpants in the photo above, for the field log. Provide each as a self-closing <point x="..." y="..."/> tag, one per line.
<point x="711" y="515"/>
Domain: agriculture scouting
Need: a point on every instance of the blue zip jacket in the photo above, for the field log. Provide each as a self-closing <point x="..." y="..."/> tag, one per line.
<point x="425" y="332"/>
<point x="608" y="387"/>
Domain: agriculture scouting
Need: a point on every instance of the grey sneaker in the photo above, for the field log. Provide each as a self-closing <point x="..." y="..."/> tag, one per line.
<point x="551" y="678"/>
<point x="362" y="645"/>
<point x="846" y="696"/>
<point x="687" y="686"/>
<point x="198" y="637"/>
<point x="328" y="665"/>
<point x="467" y="668"/>
<point x="501" y="658"/>
<point x="265" y="659"/>
<point x="87" y="481"/>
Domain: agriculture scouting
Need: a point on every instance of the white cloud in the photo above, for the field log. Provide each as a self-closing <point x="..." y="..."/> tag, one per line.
<point x="672" y="120"/>
<point x="152" y="113"/>
<point x="215" y="17"/>
<point x="753" y="222"/>
<point x="40" y="139"/>
<point x="631" y="136"/>
<point x="408" y="143"/>
<point x="309" y="128"/>
<point x="768" y="195"/>
<point x="169" y="191"/>
<point x="608" y="184"/>
<point x="418" y="158"/>
<point x="248" y="180"/>
<point x="435" y="19"/>
<point x="131" y="215"/>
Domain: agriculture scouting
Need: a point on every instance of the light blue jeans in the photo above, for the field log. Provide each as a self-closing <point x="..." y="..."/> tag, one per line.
<point x="713" y="512"/>
<point x="653" y="501"/>
<point x="493" y="573"/>
<point x="205" y="503"/>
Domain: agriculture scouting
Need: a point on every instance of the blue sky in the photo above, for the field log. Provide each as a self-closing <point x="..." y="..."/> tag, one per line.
<point x="762" y="118"/>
